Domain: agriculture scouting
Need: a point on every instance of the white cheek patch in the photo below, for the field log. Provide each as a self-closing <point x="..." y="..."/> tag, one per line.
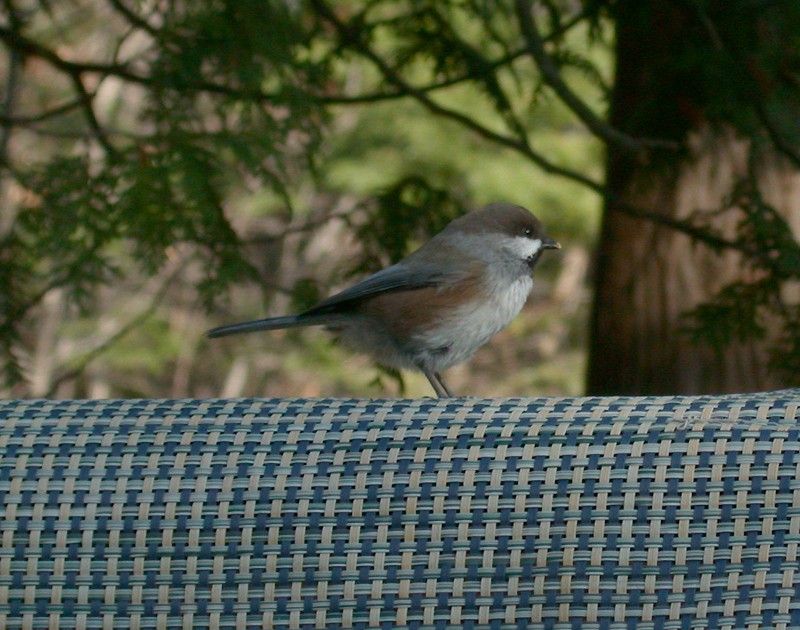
<point x="525" y="247"/>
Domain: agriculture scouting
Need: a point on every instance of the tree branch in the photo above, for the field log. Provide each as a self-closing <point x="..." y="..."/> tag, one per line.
<point x="87" y="104"/>
<point x="351" y="37"/>
<point x="134" y="19"/>
<point x="782" y="145"/>
<point x="86" y="134"/>
<point x="30" y="48"/>
<point x="8" y="120"/>
<point x="138" y="319"/>
<point x="445" y="83"/>
<point x="552" y="76"/>
<point x="397" y="93"/>
<point x="14" y="63"/>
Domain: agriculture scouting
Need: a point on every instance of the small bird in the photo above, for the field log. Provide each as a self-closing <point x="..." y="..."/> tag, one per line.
<point x="437" y="306"/>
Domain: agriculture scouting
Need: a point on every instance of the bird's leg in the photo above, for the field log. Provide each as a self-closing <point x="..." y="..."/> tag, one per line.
<point x="435" y="379"/>
<point x="440" y="392"/>
<point x="444" y="385"/>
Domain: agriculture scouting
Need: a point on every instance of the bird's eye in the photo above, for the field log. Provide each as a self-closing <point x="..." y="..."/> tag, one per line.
<point x="528" y="232"/>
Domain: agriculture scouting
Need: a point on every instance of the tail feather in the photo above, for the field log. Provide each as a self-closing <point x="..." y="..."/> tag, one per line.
<point x="270" y="323"/>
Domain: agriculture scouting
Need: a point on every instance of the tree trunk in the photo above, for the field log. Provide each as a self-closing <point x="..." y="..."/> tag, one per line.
<point x="648" y="276"/>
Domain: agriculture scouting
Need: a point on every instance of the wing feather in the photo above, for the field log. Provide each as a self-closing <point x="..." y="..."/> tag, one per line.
<point x="398" y="277"/>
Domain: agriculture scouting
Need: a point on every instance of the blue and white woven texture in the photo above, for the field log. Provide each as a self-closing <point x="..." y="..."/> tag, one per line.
<point x="589" y="513"/>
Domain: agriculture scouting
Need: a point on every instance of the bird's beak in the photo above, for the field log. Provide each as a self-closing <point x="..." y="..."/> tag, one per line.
<point x="550" y="243"/>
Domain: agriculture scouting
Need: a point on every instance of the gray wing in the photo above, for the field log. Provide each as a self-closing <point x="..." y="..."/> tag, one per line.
<point x="398" y="277"/>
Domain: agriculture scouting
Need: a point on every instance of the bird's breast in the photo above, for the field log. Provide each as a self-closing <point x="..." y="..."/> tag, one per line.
<point x="474" y="323"/>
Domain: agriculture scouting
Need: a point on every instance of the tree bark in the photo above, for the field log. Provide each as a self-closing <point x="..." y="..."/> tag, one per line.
<point x="649" y="277"/>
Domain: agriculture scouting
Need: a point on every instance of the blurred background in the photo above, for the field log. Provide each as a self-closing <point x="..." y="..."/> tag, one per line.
<point x="167" y="166"/>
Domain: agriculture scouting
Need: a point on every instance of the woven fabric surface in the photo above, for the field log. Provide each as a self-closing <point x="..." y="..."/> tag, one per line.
<point x="669" y="512"/>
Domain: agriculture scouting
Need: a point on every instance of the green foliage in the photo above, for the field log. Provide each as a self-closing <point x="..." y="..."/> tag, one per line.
<point x="152" y="202"/>
<point x="749" y="309"/>
<point x="738" y="57"/>
<point x="224" y="98"/>
<point x="305" y="294"/>
<point x="136" y="151"/>
<point x="400" y="218"/>
<point x="735" y="315"/>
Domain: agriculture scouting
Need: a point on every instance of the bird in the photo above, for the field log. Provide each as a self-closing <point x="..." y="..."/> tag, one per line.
<point x="438" y="305"/>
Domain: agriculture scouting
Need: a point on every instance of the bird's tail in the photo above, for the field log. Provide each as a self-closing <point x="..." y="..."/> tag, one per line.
<point x="270" y="323"/>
